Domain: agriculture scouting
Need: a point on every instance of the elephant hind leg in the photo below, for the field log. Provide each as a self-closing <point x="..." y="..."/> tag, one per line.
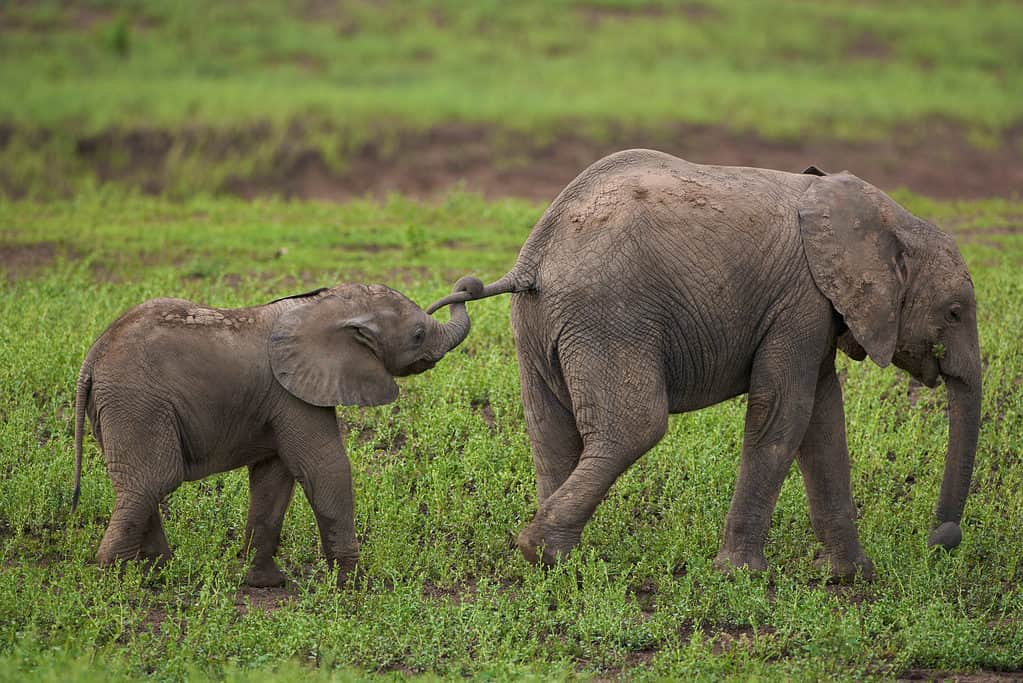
<point x="552" y="431"/>
<point x="618" y="419"/>
<point x="144" y="461"/>
<point x="154" y="543"/>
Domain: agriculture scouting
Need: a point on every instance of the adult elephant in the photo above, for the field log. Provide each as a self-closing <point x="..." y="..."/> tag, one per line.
<point x="176" y="391"/>
<point x="652" y="285"/>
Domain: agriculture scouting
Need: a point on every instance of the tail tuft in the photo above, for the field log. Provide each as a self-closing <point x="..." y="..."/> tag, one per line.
<point x="81" y="398"/>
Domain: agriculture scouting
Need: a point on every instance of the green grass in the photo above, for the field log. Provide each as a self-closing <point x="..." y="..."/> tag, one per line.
<point x="782" y="68"/>
<point x="439" y="491"/>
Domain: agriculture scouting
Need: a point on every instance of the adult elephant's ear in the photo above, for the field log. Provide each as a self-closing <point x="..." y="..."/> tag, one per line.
<point x="849" y="230"/>
<point x="323" y="354"/>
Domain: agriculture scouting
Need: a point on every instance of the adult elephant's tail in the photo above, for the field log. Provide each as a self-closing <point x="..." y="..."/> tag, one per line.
<point x="470" y="288"/>
<point x="521" y="278"/>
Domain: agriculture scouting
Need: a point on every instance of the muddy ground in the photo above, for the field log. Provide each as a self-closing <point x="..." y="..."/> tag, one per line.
<point x="934" y="158"/>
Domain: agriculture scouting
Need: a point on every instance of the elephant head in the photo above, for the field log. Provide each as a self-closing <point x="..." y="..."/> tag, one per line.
<point x="344" y="346"/>
<point x="906" y="297"/>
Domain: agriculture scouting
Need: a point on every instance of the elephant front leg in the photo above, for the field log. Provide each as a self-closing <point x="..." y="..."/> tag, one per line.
<point x="270" y="489"/>
<point x="311" y="448"/>
<point x="823" y="459"/>
<point x="780" y="403"/>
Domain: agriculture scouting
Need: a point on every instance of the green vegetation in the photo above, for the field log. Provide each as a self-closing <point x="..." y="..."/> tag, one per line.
<point x="191" y="99"/>
<point x="781" y="68"/>
<point x="444" y="477"/>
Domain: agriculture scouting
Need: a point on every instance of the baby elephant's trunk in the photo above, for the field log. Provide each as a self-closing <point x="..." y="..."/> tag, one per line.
<point x="456" y="329"/>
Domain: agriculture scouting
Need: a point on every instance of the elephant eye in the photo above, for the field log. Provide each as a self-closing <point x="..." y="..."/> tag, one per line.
<point x="954" y="313"/>
<point x="418" y="334"/>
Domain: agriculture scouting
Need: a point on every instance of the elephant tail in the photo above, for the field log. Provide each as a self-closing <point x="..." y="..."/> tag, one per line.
<point x="470" y="289"/>
<point x="84" y="386"/>
<point x="523" y="275"/>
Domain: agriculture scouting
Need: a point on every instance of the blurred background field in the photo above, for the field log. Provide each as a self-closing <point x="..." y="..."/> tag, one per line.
<point x="235" y="152"/>
<point x="336" y="99"/>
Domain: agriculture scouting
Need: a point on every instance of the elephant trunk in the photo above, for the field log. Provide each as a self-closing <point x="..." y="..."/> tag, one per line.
<point x="964" y="395"/>
<point x="454" y="332"/>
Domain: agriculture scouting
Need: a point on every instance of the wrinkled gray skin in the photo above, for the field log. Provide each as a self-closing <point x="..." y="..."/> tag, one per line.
<point x="176" y="392"/>
<point x="653" y="286"/>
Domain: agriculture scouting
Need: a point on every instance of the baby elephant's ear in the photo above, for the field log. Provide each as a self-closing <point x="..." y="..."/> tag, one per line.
<point x="326" y="356"/>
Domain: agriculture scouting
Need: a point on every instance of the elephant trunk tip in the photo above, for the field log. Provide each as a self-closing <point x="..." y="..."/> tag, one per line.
<point x="948" y="535"/>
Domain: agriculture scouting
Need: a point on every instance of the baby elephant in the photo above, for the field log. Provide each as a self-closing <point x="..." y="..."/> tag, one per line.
<point x="176" y="391"/>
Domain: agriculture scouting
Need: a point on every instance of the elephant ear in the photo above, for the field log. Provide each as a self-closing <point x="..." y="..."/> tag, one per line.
<point x="849" y="232"/>
<point x="323" y="354"/>
<point x="851" y="347"/>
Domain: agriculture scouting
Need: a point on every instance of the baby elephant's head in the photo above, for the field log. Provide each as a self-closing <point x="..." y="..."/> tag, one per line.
<point x="344" y="345"/>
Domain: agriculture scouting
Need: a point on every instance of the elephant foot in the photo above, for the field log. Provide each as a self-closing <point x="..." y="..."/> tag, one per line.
<point x="146" y="562"/>
<point x="544" y="546"/>
<point x="347" y="569"/>
<point x="729" y="560"/>
<point x="153" y="563"/>
<point x="265" y="577"/>
<point x="947" y="535"/>
<point x="846" y="571"/>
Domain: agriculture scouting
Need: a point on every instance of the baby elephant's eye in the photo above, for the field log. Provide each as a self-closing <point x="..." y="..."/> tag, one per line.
<point x="954" y="313"/>
<point x="418" y="335"/>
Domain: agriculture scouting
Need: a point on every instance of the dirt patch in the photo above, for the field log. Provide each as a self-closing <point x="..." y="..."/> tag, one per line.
<point x="461" y="593"/>
<point x="309" y="160"/>
<point x="935" y="160"/>
<point x="262" y="599"/>
<point x="868" y="46"/>
<point x="981" y="676"/>
<point x="155" y="616"/>
<point x="733" y="638"/>
<point x="694" y="11"/>
<point x="486" y="411"/>
<point x="23" y="260"/>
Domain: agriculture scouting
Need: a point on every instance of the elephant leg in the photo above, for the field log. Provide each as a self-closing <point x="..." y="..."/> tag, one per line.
<point x="617" y="425"/>
<point x="270" y="489"/>
<point x="552" y="432"/>
<point x="823" y="459"/>
<point x="311" y="449"/>
<point x="780" y="402"/>
<point x="145" y="464"/>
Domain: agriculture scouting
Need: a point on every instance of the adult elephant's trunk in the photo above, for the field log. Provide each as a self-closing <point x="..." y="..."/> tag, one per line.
<point x="964" y="394"/>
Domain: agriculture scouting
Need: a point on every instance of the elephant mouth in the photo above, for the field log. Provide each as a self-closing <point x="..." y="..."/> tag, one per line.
<point x="930" y="375"/>
<point x="419" y="366"/>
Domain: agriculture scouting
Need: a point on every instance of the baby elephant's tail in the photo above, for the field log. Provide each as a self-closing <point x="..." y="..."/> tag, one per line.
<point x="84" y="386"/>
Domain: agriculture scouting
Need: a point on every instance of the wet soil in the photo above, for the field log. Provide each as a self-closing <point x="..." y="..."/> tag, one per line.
<point x="934" y="158"/>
